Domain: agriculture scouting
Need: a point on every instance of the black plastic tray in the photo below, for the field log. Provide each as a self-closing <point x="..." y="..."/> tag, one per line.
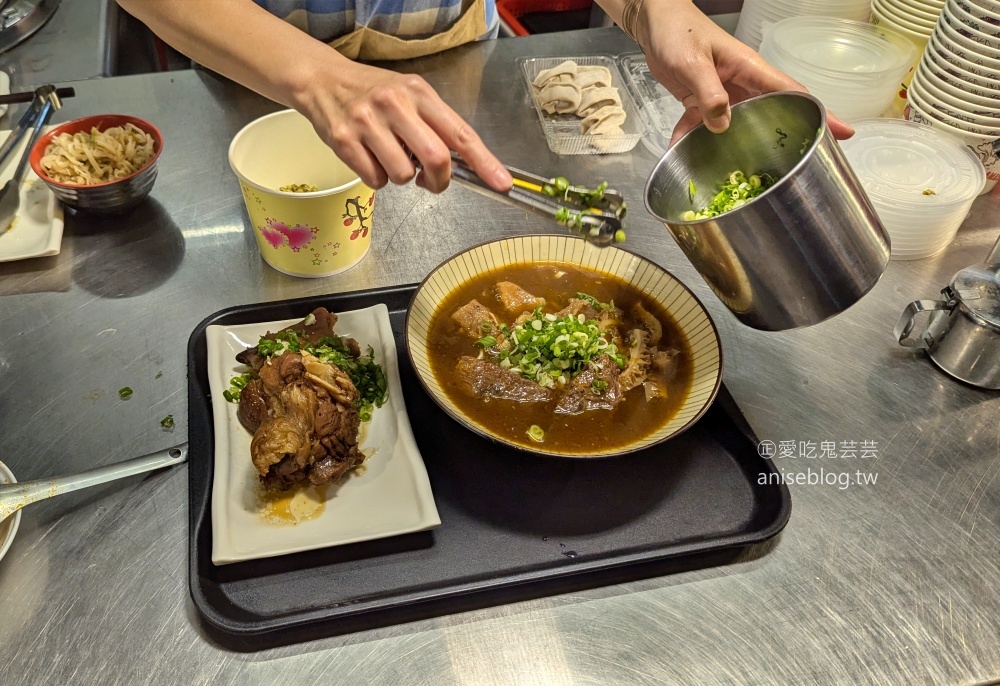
<point x="513" y="526"/>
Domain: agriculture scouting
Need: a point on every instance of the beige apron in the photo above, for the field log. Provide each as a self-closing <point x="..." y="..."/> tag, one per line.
<point x="371" y="45"/>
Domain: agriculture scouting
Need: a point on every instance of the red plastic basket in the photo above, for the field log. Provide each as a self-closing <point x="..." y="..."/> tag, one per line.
<point x="510" y="10"/>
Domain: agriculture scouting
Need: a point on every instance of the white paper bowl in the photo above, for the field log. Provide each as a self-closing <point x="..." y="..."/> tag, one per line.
<point x="962" y="69"/>
<point x="984" y="121"/>
<point x="931" y="74"/>
<point x="8" y="527"/>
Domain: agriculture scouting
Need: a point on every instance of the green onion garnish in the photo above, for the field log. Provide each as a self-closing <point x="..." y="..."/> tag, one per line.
<point x="167" y="422"/>
<point x="124" y="393"/>
<point x="550" y="350"/>
<point x="536" y="433"/>
<point x="736" y="191"/>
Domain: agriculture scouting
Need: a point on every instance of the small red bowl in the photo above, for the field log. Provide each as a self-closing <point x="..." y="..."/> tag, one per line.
<point x="109" y="196"/>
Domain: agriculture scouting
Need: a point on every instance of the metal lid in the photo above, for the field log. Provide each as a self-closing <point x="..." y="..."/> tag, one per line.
<point x="978" y="288"/>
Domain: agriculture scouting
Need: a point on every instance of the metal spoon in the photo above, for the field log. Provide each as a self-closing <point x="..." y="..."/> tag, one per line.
<point x="15" y="496"/>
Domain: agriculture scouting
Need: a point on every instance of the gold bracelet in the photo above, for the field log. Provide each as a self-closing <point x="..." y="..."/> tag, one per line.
<point x="630" y="17"/>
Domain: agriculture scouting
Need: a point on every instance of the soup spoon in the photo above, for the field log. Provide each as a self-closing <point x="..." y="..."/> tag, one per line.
<point x="13" y="497"/>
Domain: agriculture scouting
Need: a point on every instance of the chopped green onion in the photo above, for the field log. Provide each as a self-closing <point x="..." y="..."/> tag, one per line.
<point x="549" y="349"/>
<point x="236" y="385"/>
<point x="735" y="192"/>
<point x="125" y="393"/>
<point x="167" y="422"/>
<point x="536" y="433"/>
<point x="599" y="386"/>
<point x="692" y="190"/>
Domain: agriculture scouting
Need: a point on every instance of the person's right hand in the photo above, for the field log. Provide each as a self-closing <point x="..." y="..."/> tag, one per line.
<point x="705" y="68"/>
<point x="374" y="118"/>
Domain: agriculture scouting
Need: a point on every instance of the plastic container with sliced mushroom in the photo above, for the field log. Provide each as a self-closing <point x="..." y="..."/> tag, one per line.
<point x="583" y="104"/>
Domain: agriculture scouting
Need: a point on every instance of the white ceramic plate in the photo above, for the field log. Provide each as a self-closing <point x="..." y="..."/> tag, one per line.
<point x="390" y="495"/>
<point x="37" y="228"/>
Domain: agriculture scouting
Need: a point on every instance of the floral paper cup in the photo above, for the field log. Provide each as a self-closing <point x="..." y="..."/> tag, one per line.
<point x="302" y="232"/>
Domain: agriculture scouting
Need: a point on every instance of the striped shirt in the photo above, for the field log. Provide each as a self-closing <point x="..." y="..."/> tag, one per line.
<point x="328" y="20"/>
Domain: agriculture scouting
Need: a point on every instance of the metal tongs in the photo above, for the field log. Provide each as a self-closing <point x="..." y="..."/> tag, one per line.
<point x="45" y="102"/>
<point x="595" y="216"/>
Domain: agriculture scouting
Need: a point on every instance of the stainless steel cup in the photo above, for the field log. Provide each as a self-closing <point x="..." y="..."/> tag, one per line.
<point x="804" y="250"/>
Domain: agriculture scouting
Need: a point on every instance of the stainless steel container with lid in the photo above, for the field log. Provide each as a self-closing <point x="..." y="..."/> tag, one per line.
<point x="803" y="251"/>
<point x="962" y="334"/>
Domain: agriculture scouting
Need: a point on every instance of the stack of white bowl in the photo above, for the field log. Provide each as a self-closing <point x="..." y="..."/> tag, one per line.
<point x="921" y="181"/>
<point x="913" y="18"/>
<point x="756" y="13"/>
<point x="956" y="86"/>
<point x="854" y="68"/>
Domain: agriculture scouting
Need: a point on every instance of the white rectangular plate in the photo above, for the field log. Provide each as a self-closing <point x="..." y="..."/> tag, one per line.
<point x="37" y="228"/>
<point x="390" y="495"/>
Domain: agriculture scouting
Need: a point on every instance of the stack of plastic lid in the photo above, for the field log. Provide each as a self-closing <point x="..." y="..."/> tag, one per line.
<point x="852" y="67"/>
<point x="921" y="181"/>
<point x="956" y="86"/>
<point x="757" y="13"/>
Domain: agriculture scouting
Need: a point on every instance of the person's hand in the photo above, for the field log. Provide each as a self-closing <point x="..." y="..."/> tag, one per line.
<point x="374" y="118"/>
<point x="705" y="68"/>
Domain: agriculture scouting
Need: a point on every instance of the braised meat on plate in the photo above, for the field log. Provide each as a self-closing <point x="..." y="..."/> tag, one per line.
<point x="303" y="399"/>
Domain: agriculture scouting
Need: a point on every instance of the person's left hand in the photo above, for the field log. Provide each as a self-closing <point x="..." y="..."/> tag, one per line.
<point x="705" y="68"/>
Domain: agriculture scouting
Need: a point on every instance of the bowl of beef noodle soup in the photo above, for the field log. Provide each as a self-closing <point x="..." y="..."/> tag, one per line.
<point x="556" y="347"/>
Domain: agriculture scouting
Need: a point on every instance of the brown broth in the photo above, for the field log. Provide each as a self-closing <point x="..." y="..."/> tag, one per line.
<point x="584" y="433"/>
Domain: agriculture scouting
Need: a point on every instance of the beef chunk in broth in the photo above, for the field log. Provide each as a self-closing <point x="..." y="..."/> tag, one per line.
<point x="515" y="299"/>
<point x="595" y="388"/>
<point x="475" y="319"/>
<point x="482" y="379"/>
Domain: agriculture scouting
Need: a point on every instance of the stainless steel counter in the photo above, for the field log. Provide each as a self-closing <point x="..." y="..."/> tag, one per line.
<point x="891" y="582"/>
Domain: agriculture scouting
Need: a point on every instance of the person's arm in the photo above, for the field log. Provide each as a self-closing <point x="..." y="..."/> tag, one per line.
<point x="704" y="67"/>
<point x="366" y="114"/>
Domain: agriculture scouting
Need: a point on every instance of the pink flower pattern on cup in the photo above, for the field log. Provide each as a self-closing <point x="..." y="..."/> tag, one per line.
<point x="278" y="234"/>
